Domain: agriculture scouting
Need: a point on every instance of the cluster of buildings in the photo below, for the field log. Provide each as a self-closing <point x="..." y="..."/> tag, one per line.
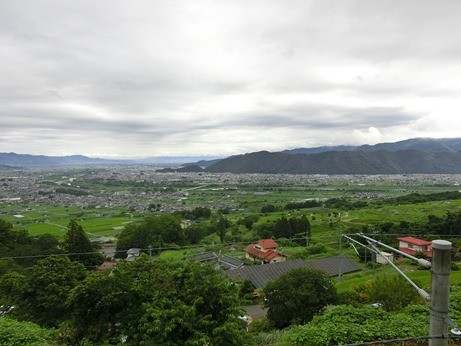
<point x="268" y="262"/>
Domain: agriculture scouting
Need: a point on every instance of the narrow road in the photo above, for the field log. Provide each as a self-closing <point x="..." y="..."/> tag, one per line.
<point x="256" y="312"/>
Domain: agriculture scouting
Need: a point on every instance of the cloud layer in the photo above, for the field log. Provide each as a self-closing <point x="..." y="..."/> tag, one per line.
<point x="214" y="77"/>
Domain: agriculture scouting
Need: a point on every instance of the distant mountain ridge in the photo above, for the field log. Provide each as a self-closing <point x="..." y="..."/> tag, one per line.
<point x="417" y="155"/>
<point x="26" y="160"/>
<point x="438" y="145"/>
<point x="343" y="162"/>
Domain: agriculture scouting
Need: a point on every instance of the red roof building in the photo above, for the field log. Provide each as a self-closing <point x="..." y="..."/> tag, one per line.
<point x="265" y="251"/>
<point x="268" y="243"/>
<point x="106" y="265"/>
<point x="411" y="246"/>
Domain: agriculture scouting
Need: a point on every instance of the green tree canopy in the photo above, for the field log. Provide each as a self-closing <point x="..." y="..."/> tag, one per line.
<point x="79" y="248"/>
<point x="5" y="231"/>
<point x="392" y="291"/>
<point x="39" y="293"/>
<point x="221" y="227"/>
<point x="194" y="233"/>
<point x="296" y="296"/>
<point x="14" y="332"/>
<point x="249" y="220"/>
<point x="156" y="302"/>
<point x="155" y="231"/>
<point x="22" y="247"/>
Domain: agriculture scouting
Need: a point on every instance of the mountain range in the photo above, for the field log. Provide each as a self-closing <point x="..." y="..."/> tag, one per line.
<point x="417" y="155"/>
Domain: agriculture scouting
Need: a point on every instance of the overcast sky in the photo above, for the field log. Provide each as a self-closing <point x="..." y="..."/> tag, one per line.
<point x="117" y="79"/>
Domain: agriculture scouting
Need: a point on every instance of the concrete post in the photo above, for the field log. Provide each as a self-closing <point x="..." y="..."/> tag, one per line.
<point x="340" y="274"/>
<point x="440" y="291"/>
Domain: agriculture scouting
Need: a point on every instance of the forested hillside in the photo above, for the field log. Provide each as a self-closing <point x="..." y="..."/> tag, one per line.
<point x="342" y="162"/>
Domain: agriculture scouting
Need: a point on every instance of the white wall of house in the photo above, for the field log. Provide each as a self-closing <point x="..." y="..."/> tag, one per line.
<point x="404" y="244"/>
<point x="380" y="257"/>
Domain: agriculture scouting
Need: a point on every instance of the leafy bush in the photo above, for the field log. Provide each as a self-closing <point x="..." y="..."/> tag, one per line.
<point x="346" y="324"/>
<point x="15" y="333"/>
<point x="394" y="292"/>
<point x="315" y="249"/>
<point x="296" y="296"/>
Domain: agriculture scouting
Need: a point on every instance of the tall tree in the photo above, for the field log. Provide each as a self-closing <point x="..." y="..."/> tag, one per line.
<point x="296" y="296"/>
<point x="305" y="227"/>
<point x="5" y="231"/>
<point x="221" y="227"/>
<point x="283" y="228"/>
<point x="79" y="248"/>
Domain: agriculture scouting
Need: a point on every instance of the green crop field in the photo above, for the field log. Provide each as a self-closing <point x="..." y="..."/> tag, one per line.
<point x="118" y="199"/>
<point x="40" y="219"/>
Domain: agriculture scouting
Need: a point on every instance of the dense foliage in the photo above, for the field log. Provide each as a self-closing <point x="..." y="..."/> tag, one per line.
<point x="149" y="302"/>
<point x="393" y="292"/>
<point x="346" y="324"/>
<point x="143" y="302"/>
<point x="21" y="248"/>
<point x="283" y="227"/>
<point x="303" y="204"/>
<point x="296" y="296"/>
<point x="152" y="231"/>
<point x="196" y="213"/>
<point x="39" y="293"/>
<point x="422" y="198"/>
<point x="78" y="247"/>
<point x="15" y="333"/>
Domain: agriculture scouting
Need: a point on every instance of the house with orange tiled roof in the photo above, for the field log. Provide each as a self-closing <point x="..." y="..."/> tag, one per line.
<point x="411" y="246"/>
<point x="264" y="251"/>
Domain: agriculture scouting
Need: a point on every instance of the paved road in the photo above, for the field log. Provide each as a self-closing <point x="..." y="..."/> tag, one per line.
<point x="255" y="311"/>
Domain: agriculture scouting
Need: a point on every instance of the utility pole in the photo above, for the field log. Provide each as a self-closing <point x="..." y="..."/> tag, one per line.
<point x="440" y="292"/>
<point x="340" y="277"/>
<point x="440" y="287"/>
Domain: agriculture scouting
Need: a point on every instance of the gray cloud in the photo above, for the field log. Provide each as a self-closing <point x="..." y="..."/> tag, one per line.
<point x="221" y="77"/>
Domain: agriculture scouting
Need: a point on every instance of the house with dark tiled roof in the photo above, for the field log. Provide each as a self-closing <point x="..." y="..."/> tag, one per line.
<point x="230" y="262"/>
<point x="133" y="254"/>
<point x="223" y="261"/>
<point x="206" y="256"/>
<point x="411" y="246"/>
<point x="264" y="251"/>
<point x="260" y="275"/>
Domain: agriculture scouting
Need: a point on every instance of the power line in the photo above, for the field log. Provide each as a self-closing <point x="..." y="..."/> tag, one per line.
<point x="51" y="255"/>
<point x="159" y="248"/>
<point x="183" y="247"/>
